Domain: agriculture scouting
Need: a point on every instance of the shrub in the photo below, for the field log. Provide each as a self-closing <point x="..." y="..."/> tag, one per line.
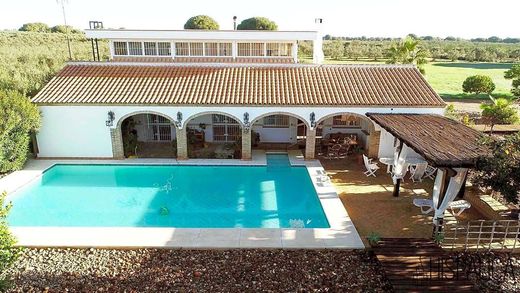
<point x="8" y="253"/>
<point x="38" y="27"/>
<point x="514" y="74"/>
<point x="64" y="29"/>
<point x="201" y="22"/>
<point x="258" y="23"/>
<point x="478" y="84"/>
<point x="501" y="111"/>
<point x="19" y="118"/>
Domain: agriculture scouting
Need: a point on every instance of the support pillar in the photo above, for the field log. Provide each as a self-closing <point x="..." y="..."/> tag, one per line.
<point x="373" y="144"/>
<point x="310" y="144"/>
<point x="116" y="136"/>
<point x="182" y="144"/>
<point x="246" y="145"/>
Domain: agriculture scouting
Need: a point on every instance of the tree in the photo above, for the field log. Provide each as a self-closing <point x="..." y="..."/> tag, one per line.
<point x="478" y="84"/>
<point x="8" y="253"/>
<point x="354" y="50"/>
<point x="201" y="22"/>
<point x="514" y="74"/>
<point x="333" y="49"/>
<point x="258" y="23"/>
<point x="19" y="118"/>
<point x="63" y="29"/>
<point x="501" y="111"/>
<point x="408" y="51"/>
<point x="500" y="170"/>
<point x="37" y="27"/>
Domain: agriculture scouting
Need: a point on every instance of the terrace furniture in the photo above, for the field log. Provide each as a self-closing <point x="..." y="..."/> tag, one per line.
<point x="426" y="206"/>
<point x="388" y="162"/>
<point x="371" y="167"/>
<point x="417" y="171"/>
<point x="430" y="172"/>
<point x="333" y="152"/>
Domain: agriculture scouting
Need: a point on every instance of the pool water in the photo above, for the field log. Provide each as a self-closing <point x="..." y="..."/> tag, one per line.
<point x="273" y="196"/>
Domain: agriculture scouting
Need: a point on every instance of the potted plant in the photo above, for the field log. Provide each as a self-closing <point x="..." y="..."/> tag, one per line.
<point x="373" y="239"/>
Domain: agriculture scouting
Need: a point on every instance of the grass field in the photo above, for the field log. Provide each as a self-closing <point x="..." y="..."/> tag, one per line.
<point x="447" y="77"/>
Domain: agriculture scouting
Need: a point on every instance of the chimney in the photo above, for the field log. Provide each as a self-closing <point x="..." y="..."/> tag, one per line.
<point x="317" y="52"/>
<point x="234" y="23"/>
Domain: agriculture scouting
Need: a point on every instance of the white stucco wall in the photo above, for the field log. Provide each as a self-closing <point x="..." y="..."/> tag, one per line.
<point x="80" y="131"/>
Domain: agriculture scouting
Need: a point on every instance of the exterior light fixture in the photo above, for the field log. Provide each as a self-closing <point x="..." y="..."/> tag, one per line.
<point x="178" y="123"/>
<point x="312" y="117"/>
<point x="247" y="124"/>
<point x="110" y="119"/>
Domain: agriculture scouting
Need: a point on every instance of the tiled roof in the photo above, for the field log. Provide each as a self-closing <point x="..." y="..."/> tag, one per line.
<point x="239" y="84"/>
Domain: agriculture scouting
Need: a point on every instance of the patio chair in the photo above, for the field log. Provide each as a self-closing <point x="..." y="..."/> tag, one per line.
<point x="371" y="167"/>
<point x="426" y="205"/>
<point x="460" y="205"/>
<point x="417" y="172"/>
<point x="430" y="172"/>
<point x="333" y="152"/>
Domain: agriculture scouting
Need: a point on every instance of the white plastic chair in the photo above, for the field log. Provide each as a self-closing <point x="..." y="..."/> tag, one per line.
<point x="418" y="171"/>
<point x="371" y="167"/>
<point x="430" y="172"/>
<point x="424" y="203"/>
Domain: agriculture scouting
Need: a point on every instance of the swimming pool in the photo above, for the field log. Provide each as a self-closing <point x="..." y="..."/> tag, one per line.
<point x="272" y="196"/>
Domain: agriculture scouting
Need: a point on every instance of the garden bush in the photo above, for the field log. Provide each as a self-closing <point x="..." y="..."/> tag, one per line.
<point x="8" y="253"/>
<point x="19" y="118"/>
<point x="478" y="84"/>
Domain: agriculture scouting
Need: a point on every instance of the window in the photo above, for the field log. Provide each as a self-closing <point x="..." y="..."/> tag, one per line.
<point x="244" y="49"/>
<point x="159" y="128"/>
<point x="120" y="48"/>
<point x="150" y="49"/>
<point x="279" y="49"/>
<point x="211" y="49"/>
<point x="276" y="121"/>
<point x="196" y="49"/>
<point x="164" y="49"/>
<point x="135" y="48"/>
<point x="182" y="49"/>
<point x="345" y="121"/>
<point x="225" y="49"/>
<point x="251" y="49"/>
<point x="257" y="49"/>
<point x="225" y="128"/>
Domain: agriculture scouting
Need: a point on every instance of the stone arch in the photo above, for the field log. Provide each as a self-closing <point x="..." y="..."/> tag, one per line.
<point x="210" y="113"/>
<point x="117" y="134"/>
<point x="373" y="137"/>
<point x="371" y="123"/>
<point x="280" y="113"/>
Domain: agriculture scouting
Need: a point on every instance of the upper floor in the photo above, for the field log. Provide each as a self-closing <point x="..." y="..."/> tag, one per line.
<point x="222" y="46"/>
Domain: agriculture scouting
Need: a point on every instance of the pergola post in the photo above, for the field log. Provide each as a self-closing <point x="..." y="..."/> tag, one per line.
<point x="182" y="143"/>
<point x="397" y="182"/>
<point x="310" y="144"/>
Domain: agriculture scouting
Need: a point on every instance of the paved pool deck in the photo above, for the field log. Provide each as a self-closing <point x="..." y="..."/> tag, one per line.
<point x="341" y="234"/>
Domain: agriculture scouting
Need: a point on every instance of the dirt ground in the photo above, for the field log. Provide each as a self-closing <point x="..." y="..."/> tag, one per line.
<point x="372" y="207"/>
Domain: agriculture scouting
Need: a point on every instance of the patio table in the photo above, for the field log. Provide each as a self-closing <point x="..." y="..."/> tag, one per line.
<point x="388" y="162"/>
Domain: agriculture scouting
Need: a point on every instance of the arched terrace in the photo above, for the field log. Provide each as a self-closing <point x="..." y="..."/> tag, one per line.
<point x="145" y="134"/>
<point x="354" y="132"/>
<point x="279" y="131"/>
<point x="213" y="135"/>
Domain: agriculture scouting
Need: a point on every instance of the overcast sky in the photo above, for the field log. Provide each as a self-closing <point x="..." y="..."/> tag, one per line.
<point x="386" y="18"/>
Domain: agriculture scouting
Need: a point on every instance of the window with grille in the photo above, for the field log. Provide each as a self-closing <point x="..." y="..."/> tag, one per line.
<point x="120" y="49"/>
<point x="276" y="121"/>
<point x="135" y="48"/>
<point x="225" y="128"/>
<point x="273" y="49"/>
<point x="286" y="49"/>
<point x="196" y="49"/>
<point x="164" y="49"/>
<point x="182" y="49"/>
<point x="244" y="49"/>
<point x="150" y="48"/>
<point x="159" y="128"/>
<point x="211" y="49"/>
<point x="349" y="121"/>
<point x="225" y="49"/>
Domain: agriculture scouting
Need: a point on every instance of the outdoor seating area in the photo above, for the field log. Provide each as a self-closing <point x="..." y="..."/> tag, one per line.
<point x="338" y="145"/>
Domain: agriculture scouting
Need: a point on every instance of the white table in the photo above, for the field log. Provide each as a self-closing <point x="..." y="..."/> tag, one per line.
<point x="389" y="162"/>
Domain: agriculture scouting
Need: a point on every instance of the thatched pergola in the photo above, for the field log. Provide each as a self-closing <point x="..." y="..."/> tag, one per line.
<point x="448" y="145"/>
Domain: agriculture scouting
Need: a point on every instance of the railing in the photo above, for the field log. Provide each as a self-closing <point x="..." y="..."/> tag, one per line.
<point x="436" y="268"/>
<point x="482" y="235"/>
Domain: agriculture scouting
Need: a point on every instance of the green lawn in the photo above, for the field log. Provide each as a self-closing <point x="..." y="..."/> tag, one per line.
<point x="447" y="77"/>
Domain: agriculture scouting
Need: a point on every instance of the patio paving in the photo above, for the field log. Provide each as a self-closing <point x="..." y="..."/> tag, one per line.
<point x="371" y="206"/>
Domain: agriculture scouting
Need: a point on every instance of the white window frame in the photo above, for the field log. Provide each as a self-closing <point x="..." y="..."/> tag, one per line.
<point x="278" y="121"/>
<point x="143" y="54"/>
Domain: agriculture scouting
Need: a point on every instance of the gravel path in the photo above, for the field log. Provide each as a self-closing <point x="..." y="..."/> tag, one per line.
<point x="152" y="270"/>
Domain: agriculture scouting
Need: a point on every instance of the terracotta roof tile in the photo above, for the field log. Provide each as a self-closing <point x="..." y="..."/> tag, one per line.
<point x="239" y="84"/>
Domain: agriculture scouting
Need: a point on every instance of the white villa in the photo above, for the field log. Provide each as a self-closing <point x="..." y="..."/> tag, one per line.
<point x="206" y="88"/>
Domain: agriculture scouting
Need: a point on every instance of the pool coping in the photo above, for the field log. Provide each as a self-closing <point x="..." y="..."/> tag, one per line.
<point x="341" y="234"/>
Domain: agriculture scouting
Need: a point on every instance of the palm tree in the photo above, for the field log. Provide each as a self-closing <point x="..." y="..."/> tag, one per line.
<point x="408" y="51"/>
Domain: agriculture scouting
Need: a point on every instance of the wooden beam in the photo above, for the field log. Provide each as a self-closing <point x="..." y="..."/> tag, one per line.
<point x="397" y="184"/>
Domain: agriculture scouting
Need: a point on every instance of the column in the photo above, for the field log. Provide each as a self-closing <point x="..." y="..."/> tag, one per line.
<point x="373" y="144"/>
<point x="182" y="144"/>
<point x="246" y="145"/>
<point x="310" y="144"/>
<point x="117" y="143"/>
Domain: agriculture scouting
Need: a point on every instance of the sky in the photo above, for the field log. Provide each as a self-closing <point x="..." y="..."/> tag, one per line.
<point x="351" y="18"/>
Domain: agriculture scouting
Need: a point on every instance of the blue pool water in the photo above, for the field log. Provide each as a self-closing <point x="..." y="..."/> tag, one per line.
<point x="272" y="196"/>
